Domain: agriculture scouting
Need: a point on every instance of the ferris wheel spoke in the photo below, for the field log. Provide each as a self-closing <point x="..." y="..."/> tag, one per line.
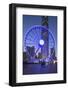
<point x="28" y="40"/>
<point x="38" y="34"/>
<point x="29" y="43"/>
<point x="34" y="36"/>
<point x="35" y="39"/>
<point x="50" y="42"/>
<point x="31" y="35"/>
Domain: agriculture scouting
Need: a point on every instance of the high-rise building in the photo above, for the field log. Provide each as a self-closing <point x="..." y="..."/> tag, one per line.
<point x="44" y="36"/>
<point x="52" y="53"/>
<point x="31" y="51"/>
<point x="25" y="57"/>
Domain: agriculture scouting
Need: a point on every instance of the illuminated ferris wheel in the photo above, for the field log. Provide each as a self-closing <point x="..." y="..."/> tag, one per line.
<point x="33" y="38"/>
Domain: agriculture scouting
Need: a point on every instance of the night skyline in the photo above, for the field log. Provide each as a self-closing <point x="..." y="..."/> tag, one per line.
<point x="40" y="42"/>
<point x="31" y="20"/>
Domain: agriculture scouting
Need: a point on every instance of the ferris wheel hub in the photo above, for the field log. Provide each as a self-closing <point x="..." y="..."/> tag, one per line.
<point x="41" y="42"/>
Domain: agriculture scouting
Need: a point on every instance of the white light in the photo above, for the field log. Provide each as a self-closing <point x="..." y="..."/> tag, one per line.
<point x="41" y="42"/>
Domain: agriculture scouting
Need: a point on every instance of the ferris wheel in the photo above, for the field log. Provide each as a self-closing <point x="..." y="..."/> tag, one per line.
<point x="33" y="38"/>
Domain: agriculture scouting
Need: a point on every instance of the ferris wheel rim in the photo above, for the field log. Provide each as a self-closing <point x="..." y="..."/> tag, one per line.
<point x="31" y="28"/>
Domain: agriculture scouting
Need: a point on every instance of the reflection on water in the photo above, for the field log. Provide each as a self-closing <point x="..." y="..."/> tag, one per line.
<point x="39" y="69"/>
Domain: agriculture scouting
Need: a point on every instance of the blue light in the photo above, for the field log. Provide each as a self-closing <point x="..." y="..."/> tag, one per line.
<point x="41" y="42"/>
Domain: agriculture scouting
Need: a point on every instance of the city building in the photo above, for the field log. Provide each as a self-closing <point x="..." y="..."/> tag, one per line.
<point x="52" y="53"/>
<point x="31" y="51"/>
<point x="44" y="36"/>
